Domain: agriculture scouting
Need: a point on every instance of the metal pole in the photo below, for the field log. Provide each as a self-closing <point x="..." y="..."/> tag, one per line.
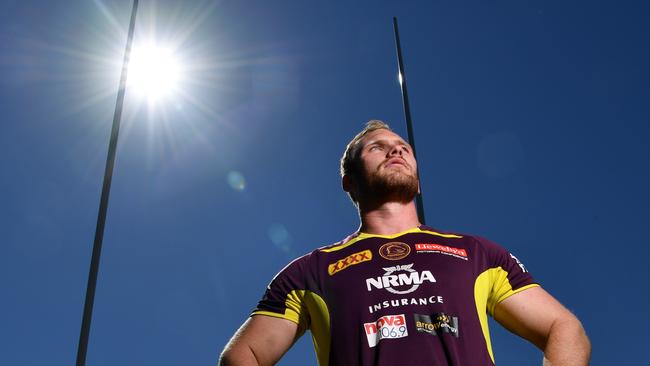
<point x="103" y="202"/>
<point x="407" y="115"/>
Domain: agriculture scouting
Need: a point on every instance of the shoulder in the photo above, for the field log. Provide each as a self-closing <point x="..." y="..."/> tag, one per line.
<point x="314" y="257"/>
<point x="475" y="244"/>
<point x="466" y="239"/>
<point x="347" y="241"/>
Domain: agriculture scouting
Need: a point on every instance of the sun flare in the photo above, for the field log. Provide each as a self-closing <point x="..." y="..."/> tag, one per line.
<point x="154" y="71"/>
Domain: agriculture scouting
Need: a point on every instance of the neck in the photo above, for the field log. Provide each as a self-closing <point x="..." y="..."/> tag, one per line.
<point x="388" y="217"/>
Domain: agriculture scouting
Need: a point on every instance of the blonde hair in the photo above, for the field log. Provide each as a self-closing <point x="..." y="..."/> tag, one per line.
<point x="350" y="156"/>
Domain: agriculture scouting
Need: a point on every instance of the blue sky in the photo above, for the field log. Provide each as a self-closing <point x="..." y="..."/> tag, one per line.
<point x="532" y="121"/>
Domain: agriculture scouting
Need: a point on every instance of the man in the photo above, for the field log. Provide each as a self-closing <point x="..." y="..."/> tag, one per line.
<point x="397" y="292"/>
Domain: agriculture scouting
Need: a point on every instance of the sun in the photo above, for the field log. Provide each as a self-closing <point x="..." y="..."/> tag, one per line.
<point x="154" y="71"/>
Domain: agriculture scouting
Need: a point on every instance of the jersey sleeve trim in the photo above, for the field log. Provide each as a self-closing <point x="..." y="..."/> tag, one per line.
<point x="490" y="288"/>
<point x="293" y="309"/>
<point x="308" y="310"/>
<point x="275" y="315"/>
<point x="512" y="292"/>
<point x="500" y="287"/>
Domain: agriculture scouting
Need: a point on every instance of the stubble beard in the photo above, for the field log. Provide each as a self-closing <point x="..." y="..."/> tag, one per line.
<point x="393" y="186"/>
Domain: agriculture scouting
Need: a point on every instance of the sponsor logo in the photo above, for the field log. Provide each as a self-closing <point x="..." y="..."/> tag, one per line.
<point x="386" y="327"/>
<point x="442" y="249"/>
<point x="394" y="250"/>
<point x="400" y="279"/>
<point x="436" y="324"/>
<point x="435" y="299"/>
<point x="521" y="265"/>
<point x="350" y="260"/>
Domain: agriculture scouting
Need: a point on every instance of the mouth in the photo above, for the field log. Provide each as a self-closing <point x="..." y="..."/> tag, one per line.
<point x="396" y="161"/>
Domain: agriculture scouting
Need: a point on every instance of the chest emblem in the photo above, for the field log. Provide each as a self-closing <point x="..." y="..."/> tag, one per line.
<point x="394" y="251"/>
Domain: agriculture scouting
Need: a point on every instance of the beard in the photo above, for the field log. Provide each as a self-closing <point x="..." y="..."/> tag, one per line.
<point x="390" y="186"/>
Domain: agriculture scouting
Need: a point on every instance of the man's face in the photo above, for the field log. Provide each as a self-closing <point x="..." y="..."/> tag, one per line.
<point x="387" y="166"/>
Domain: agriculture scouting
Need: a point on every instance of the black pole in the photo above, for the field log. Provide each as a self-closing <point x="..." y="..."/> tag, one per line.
<point x="103" y="202"/>
<point x="407" y="115"/>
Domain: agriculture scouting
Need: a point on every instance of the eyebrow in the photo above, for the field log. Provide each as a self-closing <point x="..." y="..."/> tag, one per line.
<point x="385" y="141"/>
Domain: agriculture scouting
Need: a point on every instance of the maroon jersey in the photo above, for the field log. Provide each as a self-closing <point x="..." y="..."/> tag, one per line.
<point x="420" y="297"/>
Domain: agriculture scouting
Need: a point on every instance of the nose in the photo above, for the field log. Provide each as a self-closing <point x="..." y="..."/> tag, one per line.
<point x="395" y="150"/>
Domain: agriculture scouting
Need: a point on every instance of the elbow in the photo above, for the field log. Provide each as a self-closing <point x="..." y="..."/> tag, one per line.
<point x="577" y="332"/>
<point x="584" y="340"/>
<point x="238" y="355"/>
<point x="568" y="340"/>
<point x="581" y="340"/>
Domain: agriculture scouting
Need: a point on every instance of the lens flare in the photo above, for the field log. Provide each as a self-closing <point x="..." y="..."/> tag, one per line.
<point x="236" y="181"/>
<point x="280" y="236"/>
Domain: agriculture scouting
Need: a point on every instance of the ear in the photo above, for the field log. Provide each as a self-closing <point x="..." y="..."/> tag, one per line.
<point x="349" y="186"/>
<point x="346" y="183"/>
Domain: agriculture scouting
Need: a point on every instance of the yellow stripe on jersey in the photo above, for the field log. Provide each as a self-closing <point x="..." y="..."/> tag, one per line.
<point x="452" y="236"/>
<point x="309" y="311"/>
<point x="482" y="287"/>
<point x="362" y="236"/>
<point x="490" y="288"/>
<point x="320" y="327"/>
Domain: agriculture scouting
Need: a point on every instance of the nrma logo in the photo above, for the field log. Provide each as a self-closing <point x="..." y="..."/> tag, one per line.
<point x="396" y="279"/>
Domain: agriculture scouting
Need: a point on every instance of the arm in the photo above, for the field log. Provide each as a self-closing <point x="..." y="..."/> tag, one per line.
<point x="535" y="315"/>
<point x="261" y="340"/>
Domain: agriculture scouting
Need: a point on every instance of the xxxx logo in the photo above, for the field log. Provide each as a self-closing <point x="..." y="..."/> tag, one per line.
<point x="350" y="260"/>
